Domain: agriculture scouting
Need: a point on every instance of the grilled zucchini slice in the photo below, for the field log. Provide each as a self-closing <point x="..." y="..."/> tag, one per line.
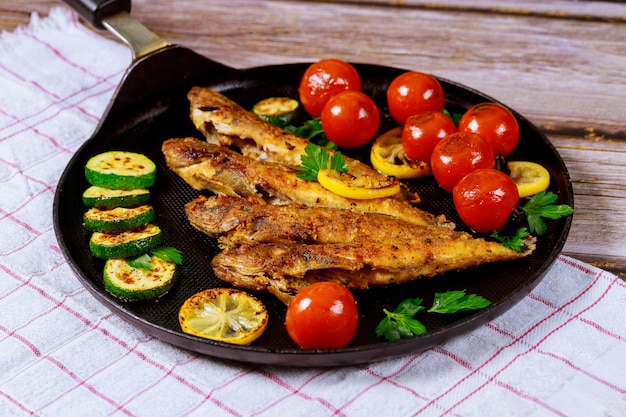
<point x="125" y="244"/>
<point x="106" y="198"/>
<point x="118" y="219"/>
<point x="280" y="111"/>
<point x="120" y="170"/>
<point x="135" y="284"/>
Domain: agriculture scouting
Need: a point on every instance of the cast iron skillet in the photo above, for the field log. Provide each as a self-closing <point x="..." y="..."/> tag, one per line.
<point x="150" y="106"/>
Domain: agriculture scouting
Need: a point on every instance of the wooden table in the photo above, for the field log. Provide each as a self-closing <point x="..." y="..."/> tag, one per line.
<point x="562" y="64"/>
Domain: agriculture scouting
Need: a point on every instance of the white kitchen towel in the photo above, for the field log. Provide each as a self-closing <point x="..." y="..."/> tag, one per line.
<point x="561" y="351"/>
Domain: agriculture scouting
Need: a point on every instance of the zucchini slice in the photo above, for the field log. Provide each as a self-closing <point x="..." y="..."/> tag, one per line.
<point x="135" y="284"/>
<point x="118" y="219"/>
<point x="125" y="244"/>
<point x="120" y="170"/>
<point x="280" y="111"/>
<point x="105" y="198"/>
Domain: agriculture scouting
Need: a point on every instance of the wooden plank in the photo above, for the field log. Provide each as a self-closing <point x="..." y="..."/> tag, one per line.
<point x="614" y="11"/>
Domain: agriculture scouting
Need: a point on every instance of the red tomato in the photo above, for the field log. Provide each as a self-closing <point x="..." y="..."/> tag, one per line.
<point x="494" y="123"/>
<point x="457" y="155"/>
<point x="414" y="92"/>
<point x="422" y="132"/>
<point x="350" y="119"/>
<point x="324" y="79"/>
<point x="485" y="199"/>
<point x="322" y="316"/>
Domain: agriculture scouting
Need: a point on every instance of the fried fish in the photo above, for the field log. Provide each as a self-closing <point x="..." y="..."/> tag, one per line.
<point x="284" y="268"/>
<point x="224" y="122"/>
<point x="281" y="249"/>
<point x="205" y="166"/>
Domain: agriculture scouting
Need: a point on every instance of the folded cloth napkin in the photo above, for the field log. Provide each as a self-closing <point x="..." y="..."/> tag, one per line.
<point x="561" y="351"/>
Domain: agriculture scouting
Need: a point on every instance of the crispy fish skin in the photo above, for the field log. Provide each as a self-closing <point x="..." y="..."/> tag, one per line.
<point x="222" y="121"/>
<point x="284" y="268"/>
<point x="211" y="167"/>
<point x="282" y="249"/>
<point x="238" y="221"/>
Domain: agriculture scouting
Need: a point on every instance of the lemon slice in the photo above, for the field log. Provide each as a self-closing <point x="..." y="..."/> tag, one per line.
<point x="224" y="314"/>
<point x="358" y="188"/>
<point x="387" y="156"/>
<point x="529" y="177"/>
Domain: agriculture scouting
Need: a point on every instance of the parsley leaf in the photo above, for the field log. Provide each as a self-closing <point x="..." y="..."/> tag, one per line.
<point x="169" y="254"/>
<point x="456" y="117"/>
<point x="400" y="323"/>
<point x="515" y="242"/>
<point x="453" y="301"/>
<point x="312" y="130"/>
<point x="143" y="261"/>
<point x="316" y="158"/>
<point x="541" y="205"/>
<point x="140" y="261"/>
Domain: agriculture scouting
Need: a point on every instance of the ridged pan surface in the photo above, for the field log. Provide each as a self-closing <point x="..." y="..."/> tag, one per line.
<point x="166" y="114"/>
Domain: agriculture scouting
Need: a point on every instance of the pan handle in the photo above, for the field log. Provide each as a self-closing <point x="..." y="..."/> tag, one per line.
<point x="95" y="11"/>
<point x="114" y="15"/>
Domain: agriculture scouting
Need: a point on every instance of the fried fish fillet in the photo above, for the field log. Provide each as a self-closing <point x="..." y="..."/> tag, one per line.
<point x="238" y="221"/>
<point x="284" y="268"/>
<point x="211" y="167"/>
<point x="224" y="122"/>
<point x="281" y="249"/>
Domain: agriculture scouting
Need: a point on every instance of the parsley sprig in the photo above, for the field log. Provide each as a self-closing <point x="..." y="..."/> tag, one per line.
<point x="455" y="301"/>
<point x="542" y="205"/>
<point x="515" y="242"/>
<point x="312" y="130"/>
<point x="401" y="322"/>
<point x="316" y="158"/>
<point x="169" y="254"/>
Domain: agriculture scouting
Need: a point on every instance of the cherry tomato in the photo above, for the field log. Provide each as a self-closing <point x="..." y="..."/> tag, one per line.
<point x="494" y="123"/>
<point x="322" y="316"/>
<point x="350" y="119"/>
<point x="422" y="132"/>
<point x="485" y="199"/>
<point x="457" y="155"/>
<point x="324" y="79"/>
<point x="414" y="92"/>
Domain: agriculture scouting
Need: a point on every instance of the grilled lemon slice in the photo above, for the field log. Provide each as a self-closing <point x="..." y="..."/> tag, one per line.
<point x="529" y="177"/>
<point x="359" y="188"/>
<point x="224" y="314"/>
<point x="387" y="156"/>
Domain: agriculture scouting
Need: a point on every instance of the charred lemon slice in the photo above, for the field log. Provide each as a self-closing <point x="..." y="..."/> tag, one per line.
<point x="358" y="188"/>
<point x="223" y="314"/>
<point x="529" y="177"/>
<point x="387" y="156"/>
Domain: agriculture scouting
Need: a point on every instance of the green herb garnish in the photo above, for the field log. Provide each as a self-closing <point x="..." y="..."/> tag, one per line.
<point x="316" y="158"/>
<point x="169" y="254"/>
<point x="400" y="323"/>
<point x="515" y="242"/>
<point x="456" y="117"/>
<point x="541" y="205"/>
<point x="312" y="131"/>
<point x="454" y="301"/>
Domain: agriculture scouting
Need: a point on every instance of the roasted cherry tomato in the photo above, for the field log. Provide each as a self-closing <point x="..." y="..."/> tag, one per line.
<point x="457" y="155"/>
<point x="322" y="316"/>
<point x="324" y="79"/>
<point x="414" y="92"/>
<point x="485" y="199"/>
<point x="350" y="119"/>
<point x="494" y="123"/>
<point x="423" y="131"/>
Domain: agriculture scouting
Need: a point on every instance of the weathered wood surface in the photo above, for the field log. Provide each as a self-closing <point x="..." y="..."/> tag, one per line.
<point x="562" y="64"/>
